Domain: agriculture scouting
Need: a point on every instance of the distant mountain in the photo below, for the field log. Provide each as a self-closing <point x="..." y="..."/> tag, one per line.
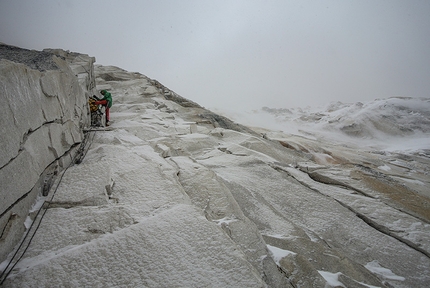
<point x="394" y="124"/>
<point x="375" y="119"/>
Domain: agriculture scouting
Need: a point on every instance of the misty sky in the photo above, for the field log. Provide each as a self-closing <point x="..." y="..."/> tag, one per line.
<point x="242" y="54"/>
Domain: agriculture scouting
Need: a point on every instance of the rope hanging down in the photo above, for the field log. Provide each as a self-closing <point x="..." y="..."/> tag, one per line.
<point x="79" y="156"/>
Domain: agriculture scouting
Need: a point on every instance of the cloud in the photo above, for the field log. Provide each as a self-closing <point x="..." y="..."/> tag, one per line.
<point x="243" y="54"/>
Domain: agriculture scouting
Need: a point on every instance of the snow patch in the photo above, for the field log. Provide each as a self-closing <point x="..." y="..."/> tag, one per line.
<point x="278" y="236"/>
<point x="27" y="223"/>
<point x="332" y="278"/>
<point x="367" y="285"/>
<point x="385" y="273"/>
<point x="278" y="253"/>
<point x="384" y="167"/>
<point x="412" y="181"/>
<point x="224" y="220"/>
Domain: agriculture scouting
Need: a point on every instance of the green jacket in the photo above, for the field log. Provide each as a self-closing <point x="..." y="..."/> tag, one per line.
<point x="108" y="97"/>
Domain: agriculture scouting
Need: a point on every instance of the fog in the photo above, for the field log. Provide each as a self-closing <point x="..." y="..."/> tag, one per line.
<point x="242" y="55"/>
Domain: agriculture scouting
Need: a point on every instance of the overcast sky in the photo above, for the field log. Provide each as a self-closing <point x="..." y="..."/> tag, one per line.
<point x="242" y="54"/>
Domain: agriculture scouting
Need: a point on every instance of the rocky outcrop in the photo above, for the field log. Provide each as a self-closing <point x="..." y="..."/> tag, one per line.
<point x="44" y="98"/>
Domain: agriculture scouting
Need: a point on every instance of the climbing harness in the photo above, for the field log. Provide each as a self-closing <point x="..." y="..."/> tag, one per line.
<point x="96" y="112"/>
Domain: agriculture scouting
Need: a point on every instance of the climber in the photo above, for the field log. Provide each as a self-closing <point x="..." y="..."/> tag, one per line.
<point x="107" y="102"/>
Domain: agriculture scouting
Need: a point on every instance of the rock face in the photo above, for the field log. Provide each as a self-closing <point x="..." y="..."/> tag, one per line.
<point x="174" y="195"/>
<point x="44" y="109"/>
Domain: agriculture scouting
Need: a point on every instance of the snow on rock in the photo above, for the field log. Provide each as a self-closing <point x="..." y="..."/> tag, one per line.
<point x="175" y="195"/>
<point x="44" y="110"/>
<point x="332" y="278"/>
<point x="384" y="272"/>
<point x="278" y="254"/>
<point x="164" y="249"/>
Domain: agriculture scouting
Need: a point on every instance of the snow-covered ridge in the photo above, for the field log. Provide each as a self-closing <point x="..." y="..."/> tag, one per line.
<point x="398" y="116"/>
<point x="393" y="124"/>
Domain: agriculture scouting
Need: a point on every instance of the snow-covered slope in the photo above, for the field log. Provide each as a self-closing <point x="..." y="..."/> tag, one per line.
<point x="394" y="124"/>
<point x="200" y="201"/>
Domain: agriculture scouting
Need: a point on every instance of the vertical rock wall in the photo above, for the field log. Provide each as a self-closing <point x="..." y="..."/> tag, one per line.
<point x="44" y="110"/>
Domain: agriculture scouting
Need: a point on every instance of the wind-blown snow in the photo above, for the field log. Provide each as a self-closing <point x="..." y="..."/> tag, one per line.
<point x="394" y="124"/>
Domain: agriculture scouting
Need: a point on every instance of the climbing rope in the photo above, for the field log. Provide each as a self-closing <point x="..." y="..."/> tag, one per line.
<point x="82" y="152"/>
<point x="77" y="159"/>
